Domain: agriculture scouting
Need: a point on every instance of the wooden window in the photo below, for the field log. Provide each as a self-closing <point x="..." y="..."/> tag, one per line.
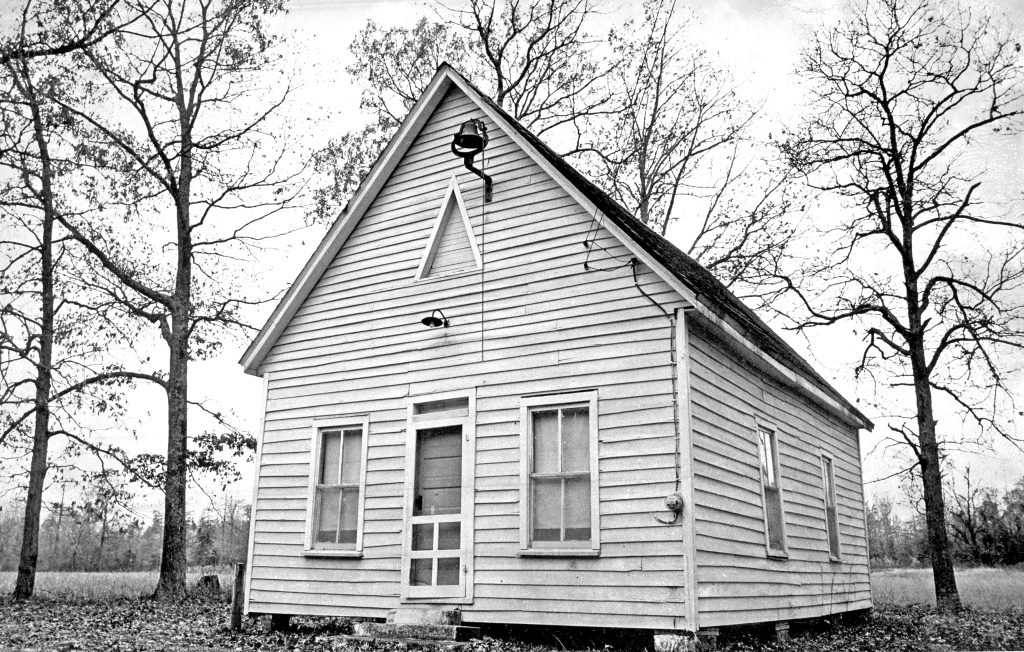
<point x="559" y="479"/>
<point x="774" y="520"/>
<point x="337" y="488"/>
<point x="831" y="515"/>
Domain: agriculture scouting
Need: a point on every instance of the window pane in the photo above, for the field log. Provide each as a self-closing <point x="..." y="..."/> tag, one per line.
<point x="448" y="571"/>
<point x="833" y="532"/>
<point x="545" y="441"/>
<point x="349" y="515"/>
<point x="328" y="502"/>
<point x="448" y="536"/>
<point x="575" y="439"/>
<point x="330" y="452"/>
<point x="438" y="471"/>
<point x="773" y="505"/>
<point x="830" y="485"/>
<point x="547" y="508"/>
<point x="423" y="536"/>
<point x="350" y="456"/>
<point x="767" y="442"/>
<point x="421" y="572"/>
<point x="577" y="509"/>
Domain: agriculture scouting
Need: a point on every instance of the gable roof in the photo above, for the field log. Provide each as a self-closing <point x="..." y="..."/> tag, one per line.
<point x="697" y="285"/>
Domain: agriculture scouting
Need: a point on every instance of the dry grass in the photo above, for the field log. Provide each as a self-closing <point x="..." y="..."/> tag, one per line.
<point x="981" y="588"/>
<point x="98" y="586"/>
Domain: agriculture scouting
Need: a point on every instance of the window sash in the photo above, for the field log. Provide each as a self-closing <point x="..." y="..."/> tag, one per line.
<point x="831" y="511"/>
<point x="338" y="493"/>
<point x="774" y="514"/>
<point x="572" y="452"/>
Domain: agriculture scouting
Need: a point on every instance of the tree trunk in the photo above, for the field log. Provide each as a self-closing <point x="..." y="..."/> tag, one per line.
<point x="25" y="584"/>
<point x="173" y="562"/>
<point x="947" y="598"/>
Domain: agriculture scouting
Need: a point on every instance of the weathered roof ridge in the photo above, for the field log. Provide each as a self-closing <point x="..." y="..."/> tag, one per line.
<point x="686" y="269"/>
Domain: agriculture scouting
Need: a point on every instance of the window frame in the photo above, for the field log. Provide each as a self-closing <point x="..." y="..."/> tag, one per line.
<point x="527" y="405"/>
<point x="319" y="427"/>
<point x="773" y="431"/>
<point x="828" y="473"/>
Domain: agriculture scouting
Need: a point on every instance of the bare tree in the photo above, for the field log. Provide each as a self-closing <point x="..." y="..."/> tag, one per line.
<point x="180" y="144"/>
<point x="674" y="145"/>
<point x="931" y="276"/>
<point x="48" y="28"/>
<point x="47" y="378"/>
<point x="535" y="58"/>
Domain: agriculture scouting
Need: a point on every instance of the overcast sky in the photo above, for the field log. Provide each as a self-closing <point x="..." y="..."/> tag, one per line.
<point x="759" y="40"/>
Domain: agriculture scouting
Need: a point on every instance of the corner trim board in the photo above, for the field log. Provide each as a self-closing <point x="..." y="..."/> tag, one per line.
<point x="255" y="492"/>
<point x="684" y="416"/>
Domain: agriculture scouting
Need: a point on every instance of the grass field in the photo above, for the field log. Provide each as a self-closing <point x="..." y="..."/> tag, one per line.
<point x="99" y="586"/>
<point x="102" y="611"/>
<point x="981" y="588"/>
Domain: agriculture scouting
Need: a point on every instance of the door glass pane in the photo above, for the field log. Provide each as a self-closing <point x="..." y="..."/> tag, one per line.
<point x="350" y="454"/>
<point x="349" y="515"/>
<point x="577" y="509"/>
<point x="421" y="571"/>
<point x="547" y="508"/>
<point x="330" y="453"/>
<point x="438" y="471"/>
<point x="448" y="536"/>
<point x="545" y="441"/>
<point x="448" y="571"/>
<point x="423" y="536"/>
<point x="575" y="437"/>
<point x="446" y="405"/>
<point x="329" y="501"/>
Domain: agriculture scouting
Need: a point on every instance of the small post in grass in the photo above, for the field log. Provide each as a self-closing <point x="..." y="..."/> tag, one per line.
<point x="237" y="596"/>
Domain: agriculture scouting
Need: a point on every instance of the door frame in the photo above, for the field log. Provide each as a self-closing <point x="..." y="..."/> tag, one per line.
<point x="463" y="593"/>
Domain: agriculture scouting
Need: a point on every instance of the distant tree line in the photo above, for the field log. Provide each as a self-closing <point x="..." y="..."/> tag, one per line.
<point x="93" y="534"/>
<point x="986" y="528"/>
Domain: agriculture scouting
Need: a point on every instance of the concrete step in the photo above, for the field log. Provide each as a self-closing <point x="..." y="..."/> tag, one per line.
<point x="424" y="616"/>
<point x="420" y="632"/>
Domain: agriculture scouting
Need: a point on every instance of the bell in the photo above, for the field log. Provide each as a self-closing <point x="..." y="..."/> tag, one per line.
<point x="471" y="139"/>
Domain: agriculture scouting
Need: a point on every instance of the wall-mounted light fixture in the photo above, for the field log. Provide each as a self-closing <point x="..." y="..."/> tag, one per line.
<point x="435" y="322"/>
<point x="467" y="143"/>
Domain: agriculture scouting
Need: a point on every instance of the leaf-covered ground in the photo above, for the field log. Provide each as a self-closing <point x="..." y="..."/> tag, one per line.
<point x="133" y="625"/>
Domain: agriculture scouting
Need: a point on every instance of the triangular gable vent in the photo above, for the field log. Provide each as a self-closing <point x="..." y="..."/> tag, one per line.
<point x="452" y="245"/>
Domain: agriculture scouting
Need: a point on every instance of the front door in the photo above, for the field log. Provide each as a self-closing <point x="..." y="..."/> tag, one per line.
<point x="438" y="524"/>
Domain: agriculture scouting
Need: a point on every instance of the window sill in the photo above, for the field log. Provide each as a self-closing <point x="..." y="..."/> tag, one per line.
<point x="559" y="552"/>
<point x="835" y="560"/>
<point x="777" y="555"/>
<point x="344" y="554"/>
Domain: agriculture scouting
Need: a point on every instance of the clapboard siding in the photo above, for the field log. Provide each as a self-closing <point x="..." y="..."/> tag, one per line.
<point x="356" y="347"/>
<point x="736" y="582"/>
